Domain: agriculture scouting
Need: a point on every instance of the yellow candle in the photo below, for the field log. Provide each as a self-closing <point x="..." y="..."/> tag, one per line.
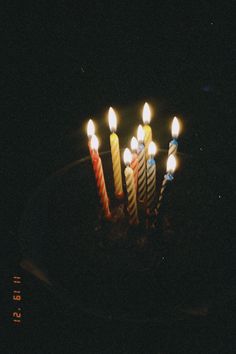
<point x="147" y="128"/>
<point x="115" y="154"/>
<point x="131" y="190"/>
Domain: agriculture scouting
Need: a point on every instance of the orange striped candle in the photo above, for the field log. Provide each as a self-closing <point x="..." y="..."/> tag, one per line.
<point x="98" y="171"/>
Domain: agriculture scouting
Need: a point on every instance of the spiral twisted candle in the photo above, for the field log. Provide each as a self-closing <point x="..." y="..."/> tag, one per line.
<point x="151" y="183"/>
<point x="141" y="174"/>
<point x="99" y="176"/>
<point x="98" y="171"/>
<point x="116" y="165"/>
<point x="131" y="191"/>
<point x="134" y="166"/>
<point x="171" y="165"/>
<point x="163" y="187"/>
<point x="147" y="138"/>
<point x="173" y="147"/>
<point x="134" y="163"/>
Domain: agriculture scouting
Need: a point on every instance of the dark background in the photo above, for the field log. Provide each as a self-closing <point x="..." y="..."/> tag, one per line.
<point x="65" y="62"/>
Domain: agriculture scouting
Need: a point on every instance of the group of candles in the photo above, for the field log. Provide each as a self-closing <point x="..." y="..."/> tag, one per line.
<point x="140" y="170"/>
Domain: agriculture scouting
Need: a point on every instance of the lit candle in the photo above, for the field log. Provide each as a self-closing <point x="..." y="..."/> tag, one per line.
<point x="173" y="145"/>
<point x="98" y="171"/>
<point x="151" y="176"/>
<point x="141" y="166"/>
<point x="134" y="163"/>
<point x="115" y="154"/>
<point x="171" y="166"/>
<point x="90" y="133"/>
<point x="147" y="128"/>
<point x="130" y="187"/>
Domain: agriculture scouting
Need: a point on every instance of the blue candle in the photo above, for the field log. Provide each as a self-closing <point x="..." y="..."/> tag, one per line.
<point x="171" y="165"/>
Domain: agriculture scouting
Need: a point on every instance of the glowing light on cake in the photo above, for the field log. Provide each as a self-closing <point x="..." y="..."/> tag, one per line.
<point x="94" y="143"/>
<point x="175" y="128"/>
<point x="146" y="114"/>
<point x="90" y="129"/>
<point x="115" y="153"/>
<point x="90" y="133"/>
<point x="127" y="157"/>
<point x="147" y="128"/>
<point x="152" y="149"/>
<point x="112" y="120"/>
<point x="171" y="165"/>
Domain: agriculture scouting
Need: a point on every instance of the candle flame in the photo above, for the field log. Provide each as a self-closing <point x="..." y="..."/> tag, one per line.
<point x="112" y="119"/>
<point x="140" y="134"/>
<point x="127" y="157"/>
<point x="171" y="164"/>
<point x="134" y="144"/>
<point x="152" y="149"/>
<point x="146" y="114"/>
<point x="90" y="128"/>
<point x="94" y="142"/>
<point x="175" y="128"/>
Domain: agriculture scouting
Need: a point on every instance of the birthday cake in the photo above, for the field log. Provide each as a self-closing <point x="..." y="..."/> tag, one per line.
<point x="107" y="263"/>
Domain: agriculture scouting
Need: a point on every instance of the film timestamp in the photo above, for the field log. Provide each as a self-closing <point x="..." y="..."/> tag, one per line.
<point x="17" y="299"/>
